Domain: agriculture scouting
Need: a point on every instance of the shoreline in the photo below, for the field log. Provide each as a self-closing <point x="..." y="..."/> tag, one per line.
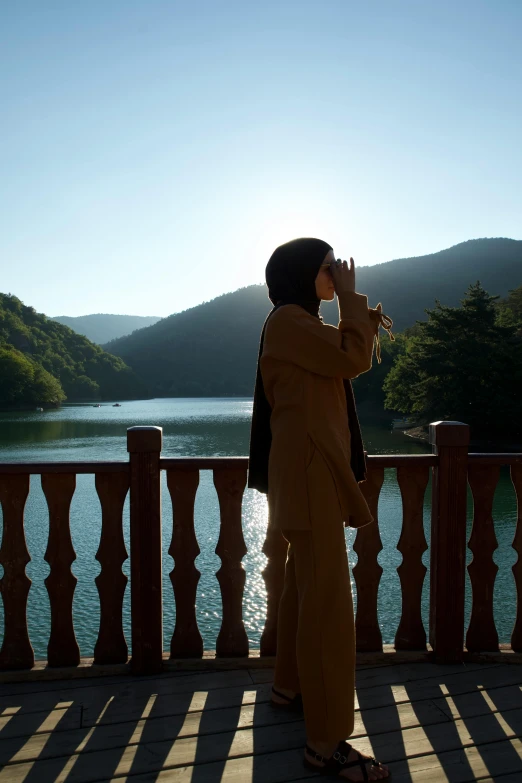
<point x="29" y="406"/>
<point x="421" y="434"/>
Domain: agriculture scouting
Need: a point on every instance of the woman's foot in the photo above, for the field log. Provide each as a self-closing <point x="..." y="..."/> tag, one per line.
<point x="286" y="699"/>
<point x="282" y="696"/>
<point x="316" y="755"/>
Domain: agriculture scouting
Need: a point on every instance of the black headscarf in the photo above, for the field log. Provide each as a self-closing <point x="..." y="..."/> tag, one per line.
<point x="290" y="277"/>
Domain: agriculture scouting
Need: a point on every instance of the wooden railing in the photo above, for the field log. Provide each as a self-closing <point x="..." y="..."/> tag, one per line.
<point x="451" y="467"/>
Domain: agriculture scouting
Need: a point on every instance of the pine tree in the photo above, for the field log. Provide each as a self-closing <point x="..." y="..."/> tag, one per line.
<point x="461" y="364"/>
<point x="510" y="310"/>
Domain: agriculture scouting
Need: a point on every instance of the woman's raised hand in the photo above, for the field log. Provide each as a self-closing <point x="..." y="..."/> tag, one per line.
<point x="343" y="276"/>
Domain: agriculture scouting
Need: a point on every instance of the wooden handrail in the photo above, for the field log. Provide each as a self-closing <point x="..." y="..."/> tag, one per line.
<point x="398" y="460"/>
<point x="495" y="459"/>
<point x="39" y="468"/>
<point x="209" y="463"/>
<point x="381" y="460"/>
<point x="202" y="463"/>
<point x="451" y="468"/>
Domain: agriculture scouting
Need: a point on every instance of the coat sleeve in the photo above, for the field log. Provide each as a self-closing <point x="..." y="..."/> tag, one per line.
<point x="293" y="335"/>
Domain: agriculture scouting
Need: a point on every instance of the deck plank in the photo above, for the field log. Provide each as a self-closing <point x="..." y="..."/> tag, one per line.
<point x="399" y="672"/>
<point x="376" y="696"/>
<point x="72" y="684"/>
<point x="489" y="763"/>
<point x="157" y="729"/>
<point x="136" y="688"/>
<point x="464" y="705"/>
<point x="151" y="756"/>
<point x="470" y="764"/>
<point x="29" y="724"/>
<point x="220" y="690"/>
<point x="458" y="724"/>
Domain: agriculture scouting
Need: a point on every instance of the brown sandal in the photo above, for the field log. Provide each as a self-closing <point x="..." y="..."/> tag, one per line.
<point x="294" y="704"/>
<point x="339" y="760"/>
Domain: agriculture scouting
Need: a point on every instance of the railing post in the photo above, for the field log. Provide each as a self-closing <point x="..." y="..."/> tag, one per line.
<point x="144" y="447"/>
<point x="449" y="441"/>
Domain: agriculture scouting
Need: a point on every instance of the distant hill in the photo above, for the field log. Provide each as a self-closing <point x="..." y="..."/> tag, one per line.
<point x="43" y="361"/>
<point x="407" y="286"/>
<point x="211" y="349"/>
<point x="204" y="351"/>
<point x="102" y="327"/>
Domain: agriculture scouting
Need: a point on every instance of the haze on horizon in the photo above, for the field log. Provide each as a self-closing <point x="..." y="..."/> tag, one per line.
<point x="156" y="152"/>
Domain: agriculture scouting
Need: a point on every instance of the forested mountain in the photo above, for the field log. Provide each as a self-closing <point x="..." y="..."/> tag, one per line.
<point x="42" y="361"/>
<point x="102" y="327"/>
<point x="211" y="349"/>
<point x="407" y="286"/>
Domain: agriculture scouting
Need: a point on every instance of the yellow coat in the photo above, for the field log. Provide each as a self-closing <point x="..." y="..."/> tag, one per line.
<point x="303" y="364"/>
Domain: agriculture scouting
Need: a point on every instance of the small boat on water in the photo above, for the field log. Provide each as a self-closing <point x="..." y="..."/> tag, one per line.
<point x="116" y="405"/>
<point x="97" y="405"/>
<point x="39" y="409"/>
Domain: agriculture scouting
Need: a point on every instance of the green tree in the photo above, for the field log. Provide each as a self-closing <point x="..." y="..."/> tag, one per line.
<point x="461" y="364"/>
<point x="23" y="380"/>
<point x="80" y="387"/>
<point x="70" y="363"/>
<point x="510" y="311"/>
<point x="16" y="374"/>
<point x="368" y="387"/>
<point x="45" y="387"/>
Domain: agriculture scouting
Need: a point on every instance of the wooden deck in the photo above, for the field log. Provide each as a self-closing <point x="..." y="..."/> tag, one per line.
<point x="456" y="723"/>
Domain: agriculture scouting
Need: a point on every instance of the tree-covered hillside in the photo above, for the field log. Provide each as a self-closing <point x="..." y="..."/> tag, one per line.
<point x="211" y="349"/>
<point x="43" y="361"/>
<point x="407" y="286"/>
<point x="102" y="327"/>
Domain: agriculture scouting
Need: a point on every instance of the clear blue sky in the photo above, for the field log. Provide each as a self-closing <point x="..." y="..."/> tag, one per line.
<point x="154" y="152"/>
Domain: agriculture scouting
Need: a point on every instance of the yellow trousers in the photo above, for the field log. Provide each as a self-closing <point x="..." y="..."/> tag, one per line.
<point x="316" y="629"/>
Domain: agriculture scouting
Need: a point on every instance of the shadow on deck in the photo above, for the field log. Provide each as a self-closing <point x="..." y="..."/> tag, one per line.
<point x="429" y="722"/>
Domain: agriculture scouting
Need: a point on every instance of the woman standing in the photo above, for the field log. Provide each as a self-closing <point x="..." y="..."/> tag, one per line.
<point x="306" y="453"/>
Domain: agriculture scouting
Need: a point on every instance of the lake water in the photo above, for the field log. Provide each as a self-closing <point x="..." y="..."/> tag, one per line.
<point x="204" y="427"/>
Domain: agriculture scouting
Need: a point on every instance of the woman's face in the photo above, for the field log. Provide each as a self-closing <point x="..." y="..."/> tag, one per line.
<point x="324" y="287"/>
